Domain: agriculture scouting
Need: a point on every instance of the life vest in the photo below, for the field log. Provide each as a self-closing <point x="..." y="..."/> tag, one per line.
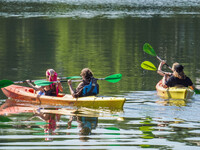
<point x="91" y="89"/>
<point x="90" y="122"/>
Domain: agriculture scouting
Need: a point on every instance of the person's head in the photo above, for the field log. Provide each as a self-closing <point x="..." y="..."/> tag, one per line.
<point x="86" y="73"/>
<point x="51" y="75"/>
<point x="178" y="71"/>
<point x="85" y="131"/>
<point x="179" y="68"/>
<point x="174" y="65"/>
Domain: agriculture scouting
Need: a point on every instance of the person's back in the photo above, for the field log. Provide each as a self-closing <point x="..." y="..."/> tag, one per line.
<point x="178" y="78"/>
<point x="87" y="87"/>
<point x="174" y="81"/>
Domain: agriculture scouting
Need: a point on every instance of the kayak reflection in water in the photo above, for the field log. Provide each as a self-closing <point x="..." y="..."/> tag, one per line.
<point x="50" y="122"/>
<point x="177" y="78"/>
<point x="50" y="90"/>
<point x="87" y="87"/>
<point x="85" y="123"/>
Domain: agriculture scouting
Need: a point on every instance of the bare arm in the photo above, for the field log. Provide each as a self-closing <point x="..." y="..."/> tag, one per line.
<point x="70" y="87"/>
<point x="37" y="88"/>
<point x="78" y="92"/>
<point x="160" y="72"/>
<point x="60" y="87"/>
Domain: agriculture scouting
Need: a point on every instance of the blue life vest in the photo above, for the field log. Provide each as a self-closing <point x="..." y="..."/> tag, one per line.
<point x="90" y="122"/>
<point x="91" y="89"/>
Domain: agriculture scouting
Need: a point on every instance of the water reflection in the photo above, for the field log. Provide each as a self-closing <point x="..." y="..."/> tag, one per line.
<point x="95" y="128"/>
<point x="173" y="102"/>
<point x="45" y="120"/>
<point x="86" y="124"/>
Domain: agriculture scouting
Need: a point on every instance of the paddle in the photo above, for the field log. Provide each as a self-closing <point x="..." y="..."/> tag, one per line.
<point x="112" y="78"/>
<point x="4" y="83"/>
<point x="149" y="50"/>
<point x="150" y="66"/>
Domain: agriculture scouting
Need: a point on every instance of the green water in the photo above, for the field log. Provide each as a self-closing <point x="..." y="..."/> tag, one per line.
<point x="107" y="37"/>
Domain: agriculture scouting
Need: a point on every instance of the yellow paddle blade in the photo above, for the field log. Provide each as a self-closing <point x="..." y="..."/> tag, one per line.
<point x="148" y="66"/>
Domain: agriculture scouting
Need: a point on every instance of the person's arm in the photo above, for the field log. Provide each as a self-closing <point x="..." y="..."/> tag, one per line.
<point x="160" y="72"/>
<point x="70" y="87"/>
<point x="37" y="88"/>
<point x="164" y="80"/>
<point x="60" y="87"/>
<point x="76" y="93"/>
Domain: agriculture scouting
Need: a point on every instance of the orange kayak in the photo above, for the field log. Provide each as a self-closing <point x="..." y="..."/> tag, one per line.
<point x="173" y="92"/>
<point x="28" y="94"/>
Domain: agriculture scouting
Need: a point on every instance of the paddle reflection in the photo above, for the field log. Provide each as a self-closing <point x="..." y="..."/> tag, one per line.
<point x="47" y="121"/>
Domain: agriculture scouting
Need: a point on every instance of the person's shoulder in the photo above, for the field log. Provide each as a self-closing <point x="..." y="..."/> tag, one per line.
<point x="187" y="77"/>
<point x="81" y="84"/>
<point x="172" y="77"/>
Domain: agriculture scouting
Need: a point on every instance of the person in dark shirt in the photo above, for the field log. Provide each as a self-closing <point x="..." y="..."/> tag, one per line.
<point x="176" y="78"/>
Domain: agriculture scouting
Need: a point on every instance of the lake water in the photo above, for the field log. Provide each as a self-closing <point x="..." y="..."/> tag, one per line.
<point x="107" y="37"/>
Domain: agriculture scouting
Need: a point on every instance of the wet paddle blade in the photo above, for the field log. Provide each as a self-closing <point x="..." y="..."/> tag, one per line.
<point x="4" y="119"/>
<point x="197" y="91"/>
<point x="148" y="49"/>
<point x="4" y="83"/>
<point x="114" y="78"/>
<point x="148" y="66"/>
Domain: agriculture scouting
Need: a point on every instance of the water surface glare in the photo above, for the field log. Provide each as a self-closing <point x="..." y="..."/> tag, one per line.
<point x="94" y="8"/>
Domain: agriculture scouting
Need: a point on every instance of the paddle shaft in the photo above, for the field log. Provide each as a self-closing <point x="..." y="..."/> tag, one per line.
<point x="19" y="82"/>
<point x="162" y="60"/>
<point x="61" y="78"/>
<point x="82" y="80"/>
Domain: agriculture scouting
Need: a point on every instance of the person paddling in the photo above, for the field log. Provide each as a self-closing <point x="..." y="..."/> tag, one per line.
<point x="176" y="78"/>
<point x="50" y="90"/>
<point x="87" y="87"/>
<point x="163" y="73"/>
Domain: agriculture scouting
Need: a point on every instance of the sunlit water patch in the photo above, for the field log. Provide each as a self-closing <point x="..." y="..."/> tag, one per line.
<point x="104" y="8"/>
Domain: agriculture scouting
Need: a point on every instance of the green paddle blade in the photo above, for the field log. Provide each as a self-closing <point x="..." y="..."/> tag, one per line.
<point x="4" y="119"/>
<point x="197" y="91"/>
<point x="148" y="66"/>
<point x="114" y="78"/>
<point x="4" y="83"/>
<point x="148" y="49"/>
<point x="42" y="83"/>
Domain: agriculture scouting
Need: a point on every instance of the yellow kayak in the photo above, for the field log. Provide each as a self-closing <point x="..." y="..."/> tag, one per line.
<point x="174" y="92"/>
<point x="28" y="94"/>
